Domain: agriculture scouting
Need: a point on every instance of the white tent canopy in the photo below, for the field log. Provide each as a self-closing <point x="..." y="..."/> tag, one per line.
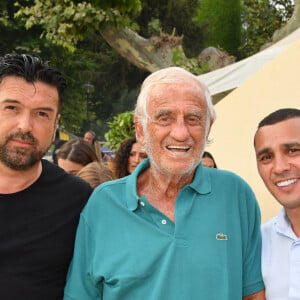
<point x="274" y="85"/>
<point x="222" y="81"/>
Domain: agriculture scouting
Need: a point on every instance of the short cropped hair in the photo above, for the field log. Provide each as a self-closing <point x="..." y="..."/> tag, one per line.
<point x="32" y="69"/>
<point x="279" y="116"/>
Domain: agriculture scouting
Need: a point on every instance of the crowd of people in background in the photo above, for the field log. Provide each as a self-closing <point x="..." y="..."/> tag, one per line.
<point x="75" y="154"/>
<point x="79" y="157"/>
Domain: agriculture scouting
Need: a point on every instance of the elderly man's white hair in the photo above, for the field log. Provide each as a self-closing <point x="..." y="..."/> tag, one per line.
<point x="168" y="76"/>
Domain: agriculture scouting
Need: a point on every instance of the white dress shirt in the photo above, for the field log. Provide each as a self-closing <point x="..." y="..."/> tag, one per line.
<point x="280" y="259"/>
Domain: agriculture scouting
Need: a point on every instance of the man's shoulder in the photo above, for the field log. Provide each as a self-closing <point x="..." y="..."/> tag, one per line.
<point x="225" y="177"/>
<point x="115" y="186"/>
<point x="54" y="175"/>
<point x="117" y="191"/>
<point x="268" y="227"/>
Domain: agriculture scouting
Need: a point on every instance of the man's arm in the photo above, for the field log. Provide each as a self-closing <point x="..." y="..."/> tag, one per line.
<point x="257" y="296"/>
<point x="80" y="282"/>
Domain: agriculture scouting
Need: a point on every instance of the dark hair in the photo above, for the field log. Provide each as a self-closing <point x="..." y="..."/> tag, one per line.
<point x="32" y="69"/>
<point x="279" y="116"/>
<point x="122" y="156"/>
<point x="208" y="154"/>
<point x="78" y="151"/>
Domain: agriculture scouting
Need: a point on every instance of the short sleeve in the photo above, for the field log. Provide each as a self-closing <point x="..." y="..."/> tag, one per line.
<point x="252" y="280"/>
<point x="80" y="283"/>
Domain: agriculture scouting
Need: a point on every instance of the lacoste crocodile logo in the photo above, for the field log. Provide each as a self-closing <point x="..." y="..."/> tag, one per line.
<point x="221" y="237"/>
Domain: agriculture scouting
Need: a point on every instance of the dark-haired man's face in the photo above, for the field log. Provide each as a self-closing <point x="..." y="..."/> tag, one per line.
<point x="28" y="118"/>
<point x="277" y="150"/>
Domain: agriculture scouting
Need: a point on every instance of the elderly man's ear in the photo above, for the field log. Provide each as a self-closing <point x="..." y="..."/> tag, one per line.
<point x="139" y="131"/>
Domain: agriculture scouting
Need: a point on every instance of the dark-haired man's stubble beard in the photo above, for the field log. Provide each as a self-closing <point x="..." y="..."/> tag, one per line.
<point x="18" y="158"/>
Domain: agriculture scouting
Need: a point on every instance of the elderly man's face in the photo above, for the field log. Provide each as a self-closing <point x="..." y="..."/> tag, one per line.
<point x="177" y="129"/>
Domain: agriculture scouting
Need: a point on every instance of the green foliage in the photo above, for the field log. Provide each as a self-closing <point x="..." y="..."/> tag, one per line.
<point x="115" y="80"/>
<point x="76" y="25"/>
<point x="172" y="16"/>
<point x="124" y="6"/>
<point x="260" y="19"/>
<point x="65" y="22"/>
<point x="191" y="64"/>
<point x="121" y="127"/>
<point x="222" y="23"/>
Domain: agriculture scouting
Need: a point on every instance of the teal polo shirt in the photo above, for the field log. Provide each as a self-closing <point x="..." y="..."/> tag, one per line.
<point x="127" y="250"/>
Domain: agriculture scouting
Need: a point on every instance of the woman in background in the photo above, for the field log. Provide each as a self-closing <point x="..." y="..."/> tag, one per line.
<point x="129" y="155"/>
<point x="208" y="160"/>
<point x="75" y="154"/>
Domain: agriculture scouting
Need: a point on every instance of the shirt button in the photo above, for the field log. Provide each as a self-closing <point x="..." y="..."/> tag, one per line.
<point x="164" y="222"/>
<point x="142" y="203"/>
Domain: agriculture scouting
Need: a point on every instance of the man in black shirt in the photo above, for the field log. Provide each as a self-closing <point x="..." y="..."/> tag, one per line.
<point x="39" y="203"/>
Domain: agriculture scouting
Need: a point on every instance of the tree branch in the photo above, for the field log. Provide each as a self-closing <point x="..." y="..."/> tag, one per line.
<point x="292" y="24"/>
<point x="148" y="54"/>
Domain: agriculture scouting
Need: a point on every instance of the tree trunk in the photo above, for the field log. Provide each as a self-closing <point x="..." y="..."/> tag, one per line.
<point x="148" y="54"/>
<point x="157" y="52"/>
<point x="290" y="26"/>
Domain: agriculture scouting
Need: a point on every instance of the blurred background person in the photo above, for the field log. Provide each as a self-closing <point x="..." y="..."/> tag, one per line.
<point x="90" y="137"/>
<point x="57" y="143"/>
<point x="208" y="160"/>
<point x="75" y="154"/>
<point x="96" y="173"/>
<point x="128" y="156"/>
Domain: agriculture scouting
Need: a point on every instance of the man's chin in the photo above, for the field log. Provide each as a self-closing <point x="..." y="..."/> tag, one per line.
<point x="21" y="166"/>
<point x="21" y="162"/>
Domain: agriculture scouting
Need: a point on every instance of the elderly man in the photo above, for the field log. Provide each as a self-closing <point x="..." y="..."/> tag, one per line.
<point x="172" y="229"/>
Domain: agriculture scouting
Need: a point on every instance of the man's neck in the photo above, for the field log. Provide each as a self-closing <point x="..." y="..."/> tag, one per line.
<point x="12" y="181"/>
<point x="161" y="191"/>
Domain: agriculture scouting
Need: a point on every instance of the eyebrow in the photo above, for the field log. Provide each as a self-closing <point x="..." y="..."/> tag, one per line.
<point x="290" y="145"/>
<point x="285" y="145"/>
<point x="196" y="113"/>
<point x="10" y="101"/>
<point x="162" y="112"/>
<point x="263" y="151"/>
<point x="46" y="108"/>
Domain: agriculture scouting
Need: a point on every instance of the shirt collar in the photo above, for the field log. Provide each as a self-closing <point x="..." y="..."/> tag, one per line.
<point x="201" y="182"/>
<point x="283" y="225"/>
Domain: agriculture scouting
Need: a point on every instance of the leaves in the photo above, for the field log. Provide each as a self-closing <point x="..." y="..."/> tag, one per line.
<point x="260" y="19"/>
<point x="64" y="22"/>
<point x="121" y="128"/>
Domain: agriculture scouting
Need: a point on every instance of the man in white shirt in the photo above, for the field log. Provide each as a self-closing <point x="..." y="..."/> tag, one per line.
<point x="277" y="147"/>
